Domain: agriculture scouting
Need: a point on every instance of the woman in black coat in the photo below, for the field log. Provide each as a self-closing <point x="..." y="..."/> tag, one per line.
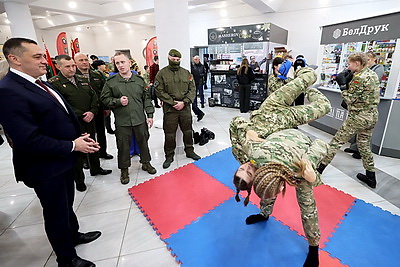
<point x="245" y="76"/>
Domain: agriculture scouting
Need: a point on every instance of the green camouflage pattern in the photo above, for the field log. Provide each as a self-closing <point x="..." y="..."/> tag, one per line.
<point x="288" y="147"/>
<point x="362" y="99"/>
<point x="276" y="114"/>
<point x="274" y="83"/>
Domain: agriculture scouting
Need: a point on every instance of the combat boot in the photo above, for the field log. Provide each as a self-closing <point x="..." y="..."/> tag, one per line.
<point x="167" y="163"/>
<point x="146" y="166"/>
<point x="124" y="176"/>
<point x="321" y="168"/>
<point x="193" y="155"/>
<point x="369" y="179"/>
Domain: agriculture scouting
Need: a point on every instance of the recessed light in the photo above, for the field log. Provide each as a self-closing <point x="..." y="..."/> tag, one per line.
<point x="72" y="4"/>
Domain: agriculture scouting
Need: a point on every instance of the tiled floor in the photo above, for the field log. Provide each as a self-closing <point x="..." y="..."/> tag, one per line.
<point x="128" y="239"/>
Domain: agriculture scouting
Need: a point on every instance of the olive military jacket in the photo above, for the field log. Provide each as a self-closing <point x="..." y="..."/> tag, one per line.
<point x="139" y="100"/>
<point x="287" y="147"/>
<point x="363" y="92"/>
<point x="172" y="86"/>
<point x="82" y="98"/>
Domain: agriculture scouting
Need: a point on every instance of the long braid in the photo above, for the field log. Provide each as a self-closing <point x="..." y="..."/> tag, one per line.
<point x="268" y="179"/>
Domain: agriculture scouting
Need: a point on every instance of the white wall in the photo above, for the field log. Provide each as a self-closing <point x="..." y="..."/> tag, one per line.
<point x="303" y="25"/>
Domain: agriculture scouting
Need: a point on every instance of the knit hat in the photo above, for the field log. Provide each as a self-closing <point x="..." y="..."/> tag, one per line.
<point x="174" y="53"/>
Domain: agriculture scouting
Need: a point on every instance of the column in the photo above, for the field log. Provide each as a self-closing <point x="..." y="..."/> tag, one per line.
<point x="172" y="30"/>
<point x="20" y="18"/>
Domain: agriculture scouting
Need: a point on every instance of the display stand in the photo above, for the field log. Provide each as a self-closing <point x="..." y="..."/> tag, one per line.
<point x="228" y="46"/>
<point x="378" y="34"/>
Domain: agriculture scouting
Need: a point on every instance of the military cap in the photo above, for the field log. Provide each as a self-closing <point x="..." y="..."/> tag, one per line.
<point x="174" y="53"/>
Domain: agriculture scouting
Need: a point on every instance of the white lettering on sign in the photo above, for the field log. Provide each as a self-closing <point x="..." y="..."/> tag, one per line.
<point x="363" y="30"/>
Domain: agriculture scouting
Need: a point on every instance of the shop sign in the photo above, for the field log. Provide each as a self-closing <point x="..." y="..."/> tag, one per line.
<point x="240" y="34"/>
<point x="383" y="27"/>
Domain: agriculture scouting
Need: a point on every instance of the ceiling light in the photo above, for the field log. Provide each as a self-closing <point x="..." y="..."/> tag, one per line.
<point x="127" y="6"/>
<point x="72" y="4"/>
<point x="223" y="13"/>
<point x="78" y="28"/>
<point x="72" y="18"/>
<point x="142" y="18"/>
<point x="128" y="26"/>
<point x="106" y="29"/>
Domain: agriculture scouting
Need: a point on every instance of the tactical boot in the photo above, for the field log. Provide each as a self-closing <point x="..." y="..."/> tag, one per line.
<point x="369" y="179"/>
<point x="146" y="166"/>
<point x="124" y="176"/>
<point x="167" y="163"/>
<point x="193" y="155"/>
<point x="312" y="259"/>
<point x="356" y="155"/>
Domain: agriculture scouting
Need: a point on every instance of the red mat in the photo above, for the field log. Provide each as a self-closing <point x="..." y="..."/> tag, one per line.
<point x="332" y="205"/>
<point x="177" y="198"/>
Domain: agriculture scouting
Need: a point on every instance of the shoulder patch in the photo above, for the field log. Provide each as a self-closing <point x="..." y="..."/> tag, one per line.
<point x="53" y="79"/>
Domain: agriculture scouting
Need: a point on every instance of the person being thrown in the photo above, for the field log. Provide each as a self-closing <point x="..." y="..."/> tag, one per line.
<point x="272" y="154"/>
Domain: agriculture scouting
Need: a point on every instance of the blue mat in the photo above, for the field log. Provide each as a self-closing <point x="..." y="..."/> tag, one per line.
<point x="222" y="238"/>
<point x="221" y="166"/>
<point x="368" y="236"/>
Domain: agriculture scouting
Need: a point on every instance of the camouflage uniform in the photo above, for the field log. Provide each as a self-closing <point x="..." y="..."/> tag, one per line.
<point x="276" y="114"/>
<point x="82" y="98"/>
<point x="274" y="83"/>
<point x="362" y="100"/>
<point x="129" y="118"/>
<point x="174" y="86"/>
<point x="288" y="147"/>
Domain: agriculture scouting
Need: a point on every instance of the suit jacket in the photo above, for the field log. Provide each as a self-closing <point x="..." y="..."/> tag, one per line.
<point x="41" y="129"/>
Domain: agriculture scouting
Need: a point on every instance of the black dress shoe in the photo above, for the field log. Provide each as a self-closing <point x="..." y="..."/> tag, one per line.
<point x="101" y="172"/>
<point x="81" y="187"/>
<point x="111" y="131"/>
<point x="87" y="237"/>
<point x="107" y="156"/>
<point x="77" y="262"/>
<point x="200" y="117"/>
<point x="86" y="166"/>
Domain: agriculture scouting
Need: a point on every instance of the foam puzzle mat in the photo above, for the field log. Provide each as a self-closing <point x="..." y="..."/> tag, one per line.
<point x="193" y="210"/>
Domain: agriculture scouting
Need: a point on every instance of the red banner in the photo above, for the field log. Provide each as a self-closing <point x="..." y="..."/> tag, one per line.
<point x="151" y="51"/>
<point x="62" y="44"/>
<point x="77" y="48"/>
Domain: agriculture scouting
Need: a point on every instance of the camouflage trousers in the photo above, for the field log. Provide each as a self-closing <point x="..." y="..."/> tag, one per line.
<point x="276" y="114"/>
<point x="308" y="210"/>
<point x="360" y="123"/>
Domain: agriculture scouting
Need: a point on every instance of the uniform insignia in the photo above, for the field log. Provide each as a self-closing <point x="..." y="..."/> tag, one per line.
<point x="356" y="82"/>
<point x="84" y="84"/>
<point x="156" y="83"/>
<point x="191" y="77"/>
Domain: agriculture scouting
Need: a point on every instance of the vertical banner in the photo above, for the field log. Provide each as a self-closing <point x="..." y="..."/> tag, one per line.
<point x="77" y="48"/>
<point x="62" y="44"/>
<point x="151" y="51"/>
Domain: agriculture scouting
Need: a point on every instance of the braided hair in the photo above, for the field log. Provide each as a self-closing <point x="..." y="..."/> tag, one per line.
<point x="240" y="184"/>
<point x="269" y="179"/>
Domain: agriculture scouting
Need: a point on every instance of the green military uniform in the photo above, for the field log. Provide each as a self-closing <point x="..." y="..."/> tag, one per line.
<point x="97" y="82"/>
<point x="176" y="85"/>
<point x="362" y="100"/>
<point x="146" y="77"/>
<point x="130" y="118"/>
<point x="274" y="83"/>
<point x="276" y="114"/>
<point x="288" y="147"/>
<point x="81" y="98"/>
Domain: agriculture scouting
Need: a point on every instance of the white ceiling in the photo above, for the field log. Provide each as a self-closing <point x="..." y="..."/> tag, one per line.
<point x="92" y="15"/>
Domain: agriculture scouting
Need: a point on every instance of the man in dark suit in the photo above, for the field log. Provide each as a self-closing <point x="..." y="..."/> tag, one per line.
<point x="46" y="138"/>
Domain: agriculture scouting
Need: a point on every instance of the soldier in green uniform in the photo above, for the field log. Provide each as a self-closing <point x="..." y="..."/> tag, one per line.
<point x="125" y="93"/>
<point x="97" y="82"/>
<point x="274" y="83"/>
<point x="276" y="114"/>
<point x="360" y="91"/>
<point x="287" y="156"/>
<point x="272" y="154"/>
<point x="176" y="88"/>
<point x="84" y="102"/>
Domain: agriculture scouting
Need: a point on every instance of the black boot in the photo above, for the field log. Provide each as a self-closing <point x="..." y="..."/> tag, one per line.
<point x="255" y="218"/>
<point x="369" y="179"/>
<point x="312" y="259"/>
<point x="321" y="168"/>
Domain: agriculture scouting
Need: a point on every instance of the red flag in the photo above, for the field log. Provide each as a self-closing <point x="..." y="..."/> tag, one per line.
<point x="49" y="61"/>
<point x="72" y="49"/>
<point x="62" y="45"/>
<point x="151" y="51"/>
<point x="77" y="48"/>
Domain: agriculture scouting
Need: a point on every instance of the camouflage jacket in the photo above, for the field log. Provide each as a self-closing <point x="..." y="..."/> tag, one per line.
<point x="287" y="147"/>
<point x="363" y="92"/>
<point x="274" y="83"/>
